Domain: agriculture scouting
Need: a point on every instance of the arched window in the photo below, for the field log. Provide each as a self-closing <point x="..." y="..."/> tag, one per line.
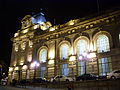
<point x="43" y="55"/>
<point x="102" y="43"/>
<point x="81" y="47"/>
<point x="64" y="51"/>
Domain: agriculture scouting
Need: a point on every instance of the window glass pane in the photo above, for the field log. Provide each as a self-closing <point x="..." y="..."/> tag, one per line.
<point x="43" y="55"/>
<point x="103" y="43"/>
<point x="65" y="69"/>
<point x="105" y="66"/>
<point x="43" y="69"/>
<point x="64" y="51"/>
<point x="81" y="46"/>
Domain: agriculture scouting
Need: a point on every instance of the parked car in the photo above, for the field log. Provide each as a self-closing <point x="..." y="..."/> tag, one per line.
<point x="114" y="74"/>
<point x="40" y="80"/>
<point x="60" y="78"/>
<point x="3" y="82"/>
<point x="25" y="81"/>
<point x="87" y="77"/>
<point x="102" y="77"/>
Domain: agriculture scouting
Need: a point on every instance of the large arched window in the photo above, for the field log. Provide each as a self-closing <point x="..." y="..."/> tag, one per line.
<point x="64" y="51"/>
<point x="43" y="55"/>
<point x="81" y="47"/>
<point x="102" y="43"/>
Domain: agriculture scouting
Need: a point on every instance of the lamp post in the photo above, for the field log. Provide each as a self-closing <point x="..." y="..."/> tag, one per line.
<point x="34" y="65"/>
<point x="87" y="56"/>
<point x="83" y="57"/>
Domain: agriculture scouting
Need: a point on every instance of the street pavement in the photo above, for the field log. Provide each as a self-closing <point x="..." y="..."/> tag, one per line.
<point x="11" y="88"/>
<point x="27" y="88"/>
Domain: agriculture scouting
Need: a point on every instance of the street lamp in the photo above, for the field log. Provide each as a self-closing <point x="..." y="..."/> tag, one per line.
<point x="87" y="56"/>
<point x="34" y="65"/>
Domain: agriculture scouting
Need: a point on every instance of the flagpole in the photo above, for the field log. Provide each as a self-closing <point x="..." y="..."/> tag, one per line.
<point x="98" y="7"/>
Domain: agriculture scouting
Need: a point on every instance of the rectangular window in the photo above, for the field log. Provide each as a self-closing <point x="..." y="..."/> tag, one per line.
<point x="81" y="66"/>
<point x="43" y="70"/>
<point x="105" y="66"/>
<point x="65" y="69"/>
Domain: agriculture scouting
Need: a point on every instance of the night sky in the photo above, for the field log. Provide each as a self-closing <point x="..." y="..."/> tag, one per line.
<point x="56" y="11"/>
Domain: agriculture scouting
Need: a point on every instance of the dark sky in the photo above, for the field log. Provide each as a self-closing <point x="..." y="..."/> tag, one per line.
<point x="12" y="11"/>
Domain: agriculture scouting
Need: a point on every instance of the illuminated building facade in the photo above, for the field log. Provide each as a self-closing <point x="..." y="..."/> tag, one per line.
<point x="60" y="49"/>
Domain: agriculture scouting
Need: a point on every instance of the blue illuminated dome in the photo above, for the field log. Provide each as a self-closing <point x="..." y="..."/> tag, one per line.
<point x="38" y="18"/>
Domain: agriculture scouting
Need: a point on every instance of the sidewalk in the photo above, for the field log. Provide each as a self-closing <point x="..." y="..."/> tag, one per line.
<point x="40" y="88"/>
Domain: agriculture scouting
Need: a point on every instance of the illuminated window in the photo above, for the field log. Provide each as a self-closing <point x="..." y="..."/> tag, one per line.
<point x="43" y="71"/>
<point x="81" y="68"/>
<point x="65" y="69"/>
<point x="102" y="44"/>
<point x="105" y="66"/>
<point x="81" y="48"/>
<point x="64" y="51"/>
<point x="43" y="55"/>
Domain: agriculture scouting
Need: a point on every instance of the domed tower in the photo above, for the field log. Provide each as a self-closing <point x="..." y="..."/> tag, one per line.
<point x="38" y="18"/>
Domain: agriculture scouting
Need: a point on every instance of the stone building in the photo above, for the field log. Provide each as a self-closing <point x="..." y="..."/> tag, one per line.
<point x="85" y="45"/>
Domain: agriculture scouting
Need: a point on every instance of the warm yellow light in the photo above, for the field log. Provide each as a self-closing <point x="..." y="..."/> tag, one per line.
<point x="91" y="47"/>
<point x="16" y="47"/>
<point x="71" y="51"/>
<point x="52" y="29"/>
<point x="51" y="54"/>
<point x="21" y="62"/>
<point x="25" y="31"/>
<point x="16" y="34"/>
<point x="34" y="64"/>
<point x="51" y="62"/>
<point x="36" y="26"/>
<point x="16" y="68"/>
<point x="48" y="24"/>
<point x="91" y="55"/>
<point x="71" y="22"/>
<point x="72" y="58"/>
<point x="24" y="67"/>
<point x="30" y="44"/>
<point x="29" y="58"/>
<point x="10" y="69"/>
<point x="43" y="27"/>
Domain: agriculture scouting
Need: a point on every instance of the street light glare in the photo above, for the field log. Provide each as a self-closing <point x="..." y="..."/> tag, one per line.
<point x="35" y="63"/>
<point x="32" y="65"/>
<point x="80" y="57"/>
